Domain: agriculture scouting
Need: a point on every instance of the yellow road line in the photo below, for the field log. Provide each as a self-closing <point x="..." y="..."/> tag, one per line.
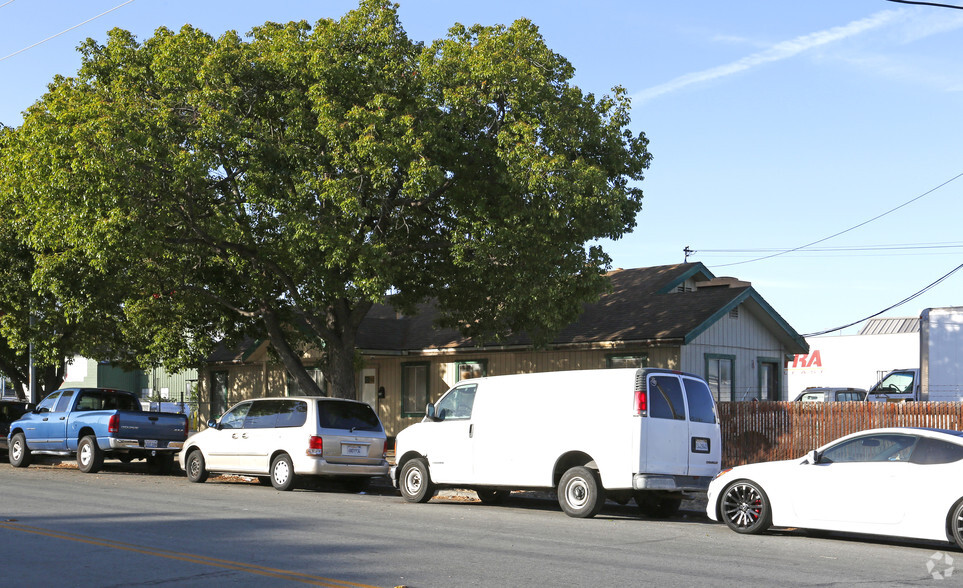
<point x="189" y="557"/>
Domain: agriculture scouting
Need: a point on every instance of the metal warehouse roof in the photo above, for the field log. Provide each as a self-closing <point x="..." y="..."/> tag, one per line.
<point x="891" y="326"/>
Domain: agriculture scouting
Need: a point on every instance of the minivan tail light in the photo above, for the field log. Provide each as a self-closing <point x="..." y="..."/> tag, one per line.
<point x="113" y="425"/>
<point x="641" y="403"/>
<point x="315" y="445"/>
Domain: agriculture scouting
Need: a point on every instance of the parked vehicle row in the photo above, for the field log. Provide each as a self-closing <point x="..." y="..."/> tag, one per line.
<point x="648" y="435"/>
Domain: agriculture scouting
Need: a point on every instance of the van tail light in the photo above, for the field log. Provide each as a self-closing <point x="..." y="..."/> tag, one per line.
<point x="113" y="425"/>
<point x="641" y="403"/>
<point x="315" y="445"/>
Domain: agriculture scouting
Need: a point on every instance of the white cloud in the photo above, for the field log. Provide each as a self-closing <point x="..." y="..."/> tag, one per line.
<point x="778" y="52"/>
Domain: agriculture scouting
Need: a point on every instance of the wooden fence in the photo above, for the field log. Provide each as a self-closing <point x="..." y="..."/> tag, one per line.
<point x="765" y="431"/>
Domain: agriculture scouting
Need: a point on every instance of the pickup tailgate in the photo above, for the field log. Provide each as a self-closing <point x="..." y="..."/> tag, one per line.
<point x="151" y="429"/>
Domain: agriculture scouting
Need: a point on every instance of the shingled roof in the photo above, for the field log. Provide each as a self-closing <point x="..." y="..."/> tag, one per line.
<point x="649" y="305"/>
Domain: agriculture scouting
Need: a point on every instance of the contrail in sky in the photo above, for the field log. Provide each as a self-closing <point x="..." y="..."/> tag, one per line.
<point x="777" y="52"/>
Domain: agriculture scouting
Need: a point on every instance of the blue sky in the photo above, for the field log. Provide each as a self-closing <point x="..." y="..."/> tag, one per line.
<point x="773" y="125"/>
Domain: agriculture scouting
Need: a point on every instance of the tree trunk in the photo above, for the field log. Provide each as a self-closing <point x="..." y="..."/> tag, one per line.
<point x="290" y="358"/>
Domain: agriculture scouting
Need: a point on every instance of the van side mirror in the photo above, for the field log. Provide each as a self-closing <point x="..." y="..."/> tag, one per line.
<point x="813" y="457"/>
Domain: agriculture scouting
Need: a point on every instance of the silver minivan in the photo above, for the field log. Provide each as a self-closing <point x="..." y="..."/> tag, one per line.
<point x="279" y="439"/>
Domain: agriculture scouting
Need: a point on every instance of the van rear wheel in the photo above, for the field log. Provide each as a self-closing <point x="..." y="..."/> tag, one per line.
<point x="415" y="481"/>
<point x="580" y="493"/>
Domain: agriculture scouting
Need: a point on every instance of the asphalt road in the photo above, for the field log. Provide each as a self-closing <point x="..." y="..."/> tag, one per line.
<point x="123" y="527"/>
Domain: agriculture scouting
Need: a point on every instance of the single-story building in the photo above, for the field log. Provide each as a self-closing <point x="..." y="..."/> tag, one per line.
<point x="674" y="316"/>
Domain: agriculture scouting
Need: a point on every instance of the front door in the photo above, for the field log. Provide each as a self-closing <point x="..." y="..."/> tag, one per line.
<point x="768" y="380"/>
<point x="226" y="440"/>
<point x="452" y="458"/>
<point x="369" y="387"/>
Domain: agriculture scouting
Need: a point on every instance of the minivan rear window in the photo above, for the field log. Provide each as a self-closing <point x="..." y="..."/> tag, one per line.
<point x="352" y="416"/>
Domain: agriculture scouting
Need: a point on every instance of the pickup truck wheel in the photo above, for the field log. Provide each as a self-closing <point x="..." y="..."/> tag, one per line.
<point x="194" y="465"/>
<point x="489" y="496"/>
<point x="658" y="505"/>
<point x="415" y="481"/>
<point x="282" y="473"/>
<point x="580" y="493"/>
<point x="20" y="455"/>
<point x="745" y="507"/>
<point x="90" y="458"/>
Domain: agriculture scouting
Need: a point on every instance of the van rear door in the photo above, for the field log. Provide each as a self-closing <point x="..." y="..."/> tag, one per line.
<point x="665" y="434"/>
<point x="705" y="445"/>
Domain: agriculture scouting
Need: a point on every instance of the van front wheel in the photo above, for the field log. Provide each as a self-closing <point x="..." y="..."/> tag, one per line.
<point x="415" y="482"/>
<point x="580" y="493"/>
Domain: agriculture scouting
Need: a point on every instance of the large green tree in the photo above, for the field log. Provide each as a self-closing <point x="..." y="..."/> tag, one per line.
<point x="277" y="186"/>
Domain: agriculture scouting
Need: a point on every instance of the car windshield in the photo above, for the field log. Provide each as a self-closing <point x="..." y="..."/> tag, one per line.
<point x="352" y="416"/>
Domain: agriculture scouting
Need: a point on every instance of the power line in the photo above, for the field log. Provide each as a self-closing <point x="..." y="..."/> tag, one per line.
<point x="63" y="31"/>
<point x="5" y="3"/>
<point x="928" y="4"/>
<point x="818" y="241"/>
<point x="917" y="294"/>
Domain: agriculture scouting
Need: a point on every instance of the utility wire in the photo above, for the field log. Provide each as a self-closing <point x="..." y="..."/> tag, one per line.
<point x="928" y="4"/>
<point x="901" y="302"/>
<point x="63" y="31"/>
<point x="818" y="241"/>
<point x="5" y="3"/>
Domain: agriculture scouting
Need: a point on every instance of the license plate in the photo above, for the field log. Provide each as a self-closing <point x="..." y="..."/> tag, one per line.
<point x="353" y="450"/>
<point x="150" y="443"/>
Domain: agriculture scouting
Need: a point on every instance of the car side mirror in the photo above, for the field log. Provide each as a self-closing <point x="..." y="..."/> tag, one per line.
<point x="814" y="457"/>
<point x="430" y="412"/>
<point x="212" y="423"/>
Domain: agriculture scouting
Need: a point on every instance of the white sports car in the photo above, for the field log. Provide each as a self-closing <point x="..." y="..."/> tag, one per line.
<point x="901" y="482"/>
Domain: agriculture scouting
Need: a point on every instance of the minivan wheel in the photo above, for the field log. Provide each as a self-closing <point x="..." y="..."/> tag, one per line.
<point x="20" y="455"/>
<point x="745" y="507"/>
<point x="195" y="466"/>
<point x="90" y="458"/>
<point x="282" y="473"/>
<point x="415" y="482"/>
<point x="580" y="493"/>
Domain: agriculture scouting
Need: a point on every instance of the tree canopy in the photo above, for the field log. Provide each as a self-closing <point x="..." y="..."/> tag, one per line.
<point x="278" y="185"/>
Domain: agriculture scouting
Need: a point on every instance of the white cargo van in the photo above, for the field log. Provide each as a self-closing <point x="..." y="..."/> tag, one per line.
<point x="648" y="434"/>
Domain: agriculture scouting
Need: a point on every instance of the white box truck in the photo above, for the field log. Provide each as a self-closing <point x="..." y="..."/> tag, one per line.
<point x="940" y="375"/>
<point x="648" y="434"/>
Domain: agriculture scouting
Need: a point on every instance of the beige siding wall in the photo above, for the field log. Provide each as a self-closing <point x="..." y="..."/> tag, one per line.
<point x="443" y="371"/>
<point x="748" y="341"/>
